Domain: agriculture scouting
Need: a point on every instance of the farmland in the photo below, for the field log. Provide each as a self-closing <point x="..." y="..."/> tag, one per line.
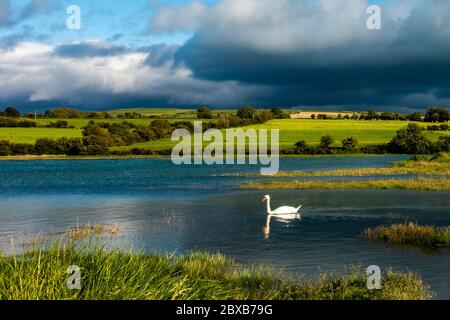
<point x="291" y="130"/>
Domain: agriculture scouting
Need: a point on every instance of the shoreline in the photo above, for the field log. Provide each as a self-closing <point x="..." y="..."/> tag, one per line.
<point x="125" y="157"/>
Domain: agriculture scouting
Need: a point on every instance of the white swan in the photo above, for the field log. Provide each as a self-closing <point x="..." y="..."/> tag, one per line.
<point x="281" y="210"/>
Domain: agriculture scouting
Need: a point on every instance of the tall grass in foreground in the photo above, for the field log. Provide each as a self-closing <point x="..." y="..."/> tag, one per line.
<point x="42" y="274"/>
<point x="420" y="184"/>
<point x="411" y="234"/>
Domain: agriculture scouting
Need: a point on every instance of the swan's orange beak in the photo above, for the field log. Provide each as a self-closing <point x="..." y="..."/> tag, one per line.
<point x="263" y="199"/>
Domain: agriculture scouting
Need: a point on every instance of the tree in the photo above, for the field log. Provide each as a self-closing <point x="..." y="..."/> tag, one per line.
<point x="416" y="116"/>
<point x="326" y="141"/>
<point x="11" y="113"/>
<point x="313" y="116"/>
<point x="349" y="144"/>
<point x="246" y="113"/>
<point x="279" y="113"/>
<point x="301" y="145"/>
<point x="410" y="140"/>
<point x="5" y="148"/>
<point x="161" y="127"/>
<point x="372" y="115"/>
<point x="443" y="144"/>
<point x="437" y="115"/>
<point x="204" y="113"/>
<point x="265" y="116"/>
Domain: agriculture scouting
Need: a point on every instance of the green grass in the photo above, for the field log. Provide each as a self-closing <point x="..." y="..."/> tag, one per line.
<point x="198" y="276"/>
<point x="367" y="132"/>
<point x="411" y="234"/>
<point x="291" y="131"/>
<point x="420" y="184"/>
<point x="29" y="135"/>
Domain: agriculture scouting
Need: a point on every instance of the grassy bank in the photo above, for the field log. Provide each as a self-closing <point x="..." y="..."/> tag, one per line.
<point x="411" y="234"/>
<point x="120" y="275"/>
<point x="421" y="184"/>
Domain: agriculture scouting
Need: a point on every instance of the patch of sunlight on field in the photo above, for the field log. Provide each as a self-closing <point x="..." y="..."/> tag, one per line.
<point x="29" y="135"/>
<point x="292" y="131"/>
<point x="367" y="132"/>
<point x="79" y="123"/>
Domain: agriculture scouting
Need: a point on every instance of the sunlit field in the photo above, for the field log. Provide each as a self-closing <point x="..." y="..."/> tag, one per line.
<point x="291" y="131"/>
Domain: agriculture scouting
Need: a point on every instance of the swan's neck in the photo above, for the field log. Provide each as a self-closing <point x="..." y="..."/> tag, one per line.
<point x="269" y="211"/>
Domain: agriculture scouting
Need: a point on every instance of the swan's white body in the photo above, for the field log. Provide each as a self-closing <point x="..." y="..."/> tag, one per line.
<point x="280" y="210"/>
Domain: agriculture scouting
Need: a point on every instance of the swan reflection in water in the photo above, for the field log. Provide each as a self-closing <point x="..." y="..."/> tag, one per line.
<point x="282" y="218"/>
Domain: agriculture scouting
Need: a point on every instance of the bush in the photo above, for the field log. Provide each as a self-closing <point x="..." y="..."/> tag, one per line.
<point x="437" y="115"/>
<point x="433" y="128"/>
<point x="21" y="149"/>
<point x="265" y="116"/>
<point x="443" y="144"/>
<point x="349" y="144"/>
<point x="326" y="141"/>
<point x="204" y="113"/>
<point x="5" y="148"/>
<point x="95" y="145"/>
<point x="246" y="113"/>
<point x="279" y="113"/>
<point x="410" y="140"/>
<point x="10" y="112"/>
<point x="416" y="116"/>
<point x="64" y="113"/>
<point x="58" y="124"/>
<point x="15" y="123"/>
<point x="47" y="146"/>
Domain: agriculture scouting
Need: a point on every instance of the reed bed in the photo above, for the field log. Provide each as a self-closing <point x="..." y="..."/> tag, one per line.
<point x="411" y="234"/>
<point x="420" y="184"/>
<point x="118" y="275"/>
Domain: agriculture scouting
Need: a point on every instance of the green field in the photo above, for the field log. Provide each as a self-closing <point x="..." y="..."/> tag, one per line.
<point x="291" y="131"/>
<point x="29" y="135"/>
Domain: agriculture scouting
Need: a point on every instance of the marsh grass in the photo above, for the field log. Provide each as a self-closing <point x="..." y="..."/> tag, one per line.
<point x="420" y="184"/>
<point x="411" y="234"/>
<point x="41" y="274"/>
<point x="435" y="165"/>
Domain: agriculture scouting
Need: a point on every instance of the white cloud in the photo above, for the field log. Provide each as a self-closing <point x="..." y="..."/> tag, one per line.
<point x="32" y="70"/>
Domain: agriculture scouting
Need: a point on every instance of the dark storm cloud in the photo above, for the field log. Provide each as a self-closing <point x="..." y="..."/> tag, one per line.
<point x="341" y="64"/>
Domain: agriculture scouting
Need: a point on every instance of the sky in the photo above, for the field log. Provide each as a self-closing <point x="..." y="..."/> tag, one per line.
<point x="310" y="54"/>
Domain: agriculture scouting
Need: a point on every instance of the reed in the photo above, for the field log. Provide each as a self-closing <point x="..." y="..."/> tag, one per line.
<point x="41" y="274"/>
<point x="411" y="234"/>
<point x="420" y="184"/>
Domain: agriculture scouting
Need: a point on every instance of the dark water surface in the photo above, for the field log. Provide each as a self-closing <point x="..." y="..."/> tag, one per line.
<point x="165" y="208"/>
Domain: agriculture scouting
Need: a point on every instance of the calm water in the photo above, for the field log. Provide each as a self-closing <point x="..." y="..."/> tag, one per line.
<point x="165" y="208"/>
